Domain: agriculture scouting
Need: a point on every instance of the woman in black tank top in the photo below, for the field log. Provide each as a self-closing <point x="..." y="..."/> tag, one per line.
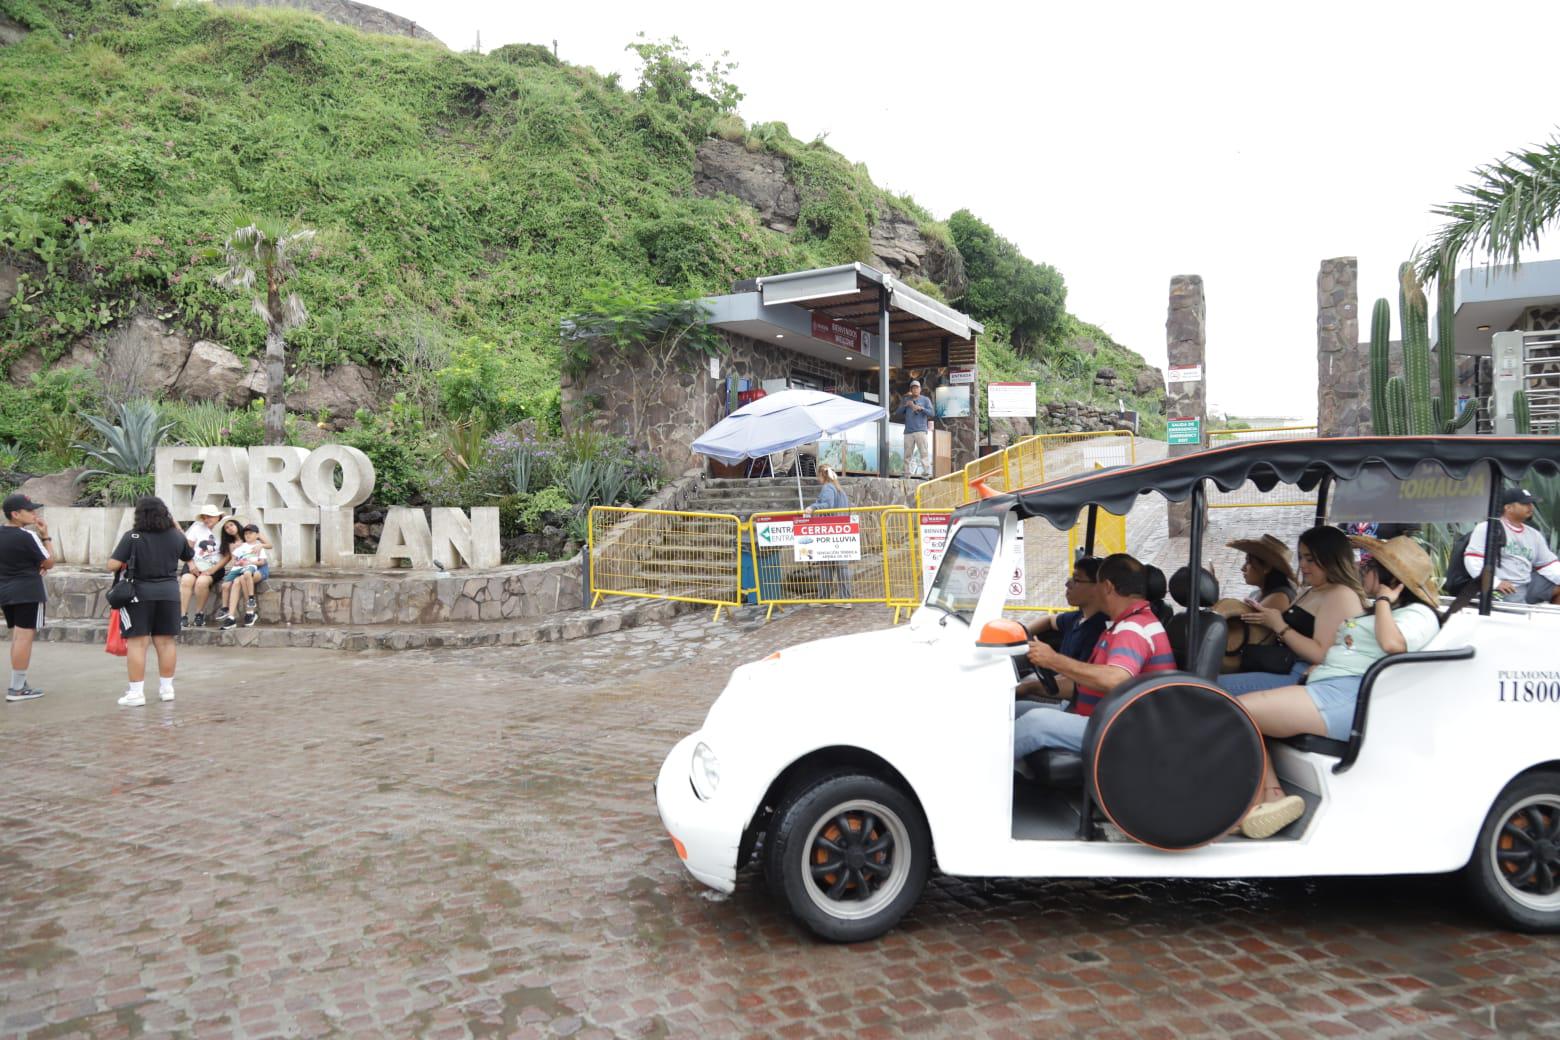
<point x="1306" y="629"/>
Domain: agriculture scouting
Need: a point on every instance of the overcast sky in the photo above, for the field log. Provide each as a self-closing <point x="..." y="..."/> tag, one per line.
<point x="1125" y="143"/>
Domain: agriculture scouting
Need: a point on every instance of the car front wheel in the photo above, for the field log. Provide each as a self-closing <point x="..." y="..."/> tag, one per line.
<point x="1515" y="870"/>
<point x="849" y="855"/>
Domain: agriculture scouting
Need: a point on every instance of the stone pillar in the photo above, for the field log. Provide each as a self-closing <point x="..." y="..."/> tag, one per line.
<point x="1342" y="361"/>
<point x="1186" y="337"/>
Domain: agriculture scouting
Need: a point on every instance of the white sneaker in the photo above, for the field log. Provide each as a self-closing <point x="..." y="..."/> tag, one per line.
<point x="167" y="694"/>
<point x="132" y="700"/>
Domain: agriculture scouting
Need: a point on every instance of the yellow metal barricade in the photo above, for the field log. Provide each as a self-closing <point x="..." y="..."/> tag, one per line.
<point x="1248" y="496"/>
<point x="993" y="469"/>
<point x="1068" y="454"/>
<point x="783" y="578"/>
<point x="1026" y="462"/>
<point x="946" y="492"/>
<point x="660" y="554"/>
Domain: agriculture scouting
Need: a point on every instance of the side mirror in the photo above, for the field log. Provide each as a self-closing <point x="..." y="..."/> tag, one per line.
<point x="1002" y="638"/>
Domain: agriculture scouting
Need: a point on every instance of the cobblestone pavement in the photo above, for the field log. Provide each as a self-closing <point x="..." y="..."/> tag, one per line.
<point x="464" y="844"/>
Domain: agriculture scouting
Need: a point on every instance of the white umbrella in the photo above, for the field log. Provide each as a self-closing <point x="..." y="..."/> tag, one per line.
<point x="783" y="420"/>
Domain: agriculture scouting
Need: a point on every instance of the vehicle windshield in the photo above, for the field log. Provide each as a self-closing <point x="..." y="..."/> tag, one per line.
<point x="962" y="576"/>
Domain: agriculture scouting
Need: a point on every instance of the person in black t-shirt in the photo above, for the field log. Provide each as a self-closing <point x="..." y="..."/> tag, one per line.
<point x="151" y="552"/>
<point x="24" y="556"/>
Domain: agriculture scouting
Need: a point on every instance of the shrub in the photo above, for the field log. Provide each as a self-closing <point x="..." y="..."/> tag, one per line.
<point x="203" y="424"/>
<point x="546" y="505"/>
<point x="524" y="54"/>
<point x="116" y="489"/>
<point x="481" y="379"/>
<point x="397" y="475"/>
<point x="579" y="482"/>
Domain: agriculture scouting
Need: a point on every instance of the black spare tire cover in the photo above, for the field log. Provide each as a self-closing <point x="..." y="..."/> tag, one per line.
<point x="1173" y="760"/>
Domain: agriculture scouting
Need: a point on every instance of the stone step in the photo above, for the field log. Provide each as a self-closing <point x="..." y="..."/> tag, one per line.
<point x="614" y="614"/>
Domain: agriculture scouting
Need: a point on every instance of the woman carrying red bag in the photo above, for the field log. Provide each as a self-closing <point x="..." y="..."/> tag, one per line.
<point x="152" y="550"/>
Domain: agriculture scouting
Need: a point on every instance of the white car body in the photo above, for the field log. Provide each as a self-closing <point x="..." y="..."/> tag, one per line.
<point x="1443" y="740"/>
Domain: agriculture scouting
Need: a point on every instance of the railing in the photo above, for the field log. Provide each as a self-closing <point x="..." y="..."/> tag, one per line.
<point x="1031" y="461"/>
<point x="1248" y="495"/>
<point x="661" y="554"/>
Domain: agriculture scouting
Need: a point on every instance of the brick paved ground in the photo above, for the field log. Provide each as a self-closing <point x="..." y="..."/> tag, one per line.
<point x="455" y="844"/>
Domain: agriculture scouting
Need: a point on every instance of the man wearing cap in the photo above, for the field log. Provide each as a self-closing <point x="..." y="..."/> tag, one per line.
<point x="24" y="556"/>
<point x="204" y="529"/>
<point x="918" y="415"/>
<point x="1526" y="571"/>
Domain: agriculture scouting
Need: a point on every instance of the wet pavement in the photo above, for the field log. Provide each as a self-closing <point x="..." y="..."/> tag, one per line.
<point x="464" y="844"/>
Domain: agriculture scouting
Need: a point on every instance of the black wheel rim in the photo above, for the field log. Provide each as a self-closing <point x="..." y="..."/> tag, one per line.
<point x="1525" y="854"/>
<point x="856" y="859"/>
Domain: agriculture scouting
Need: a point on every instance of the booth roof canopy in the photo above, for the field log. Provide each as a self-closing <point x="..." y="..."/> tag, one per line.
<point x="1269" y="463"/>
<point x="849" y="294"/>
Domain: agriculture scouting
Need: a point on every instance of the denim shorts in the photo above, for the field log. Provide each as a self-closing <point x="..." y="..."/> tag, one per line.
<point x="1335" y="699"/>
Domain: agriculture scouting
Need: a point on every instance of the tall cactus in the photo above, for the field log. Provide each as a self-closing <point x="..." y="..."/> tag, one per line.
<point x="1447" y="420"/>
<point x="1380" y="364"/>
<point x="1521" y="413"/>
<point x="1397" y="407"/>
<point x="1422" y="412"/>
<point x="1415" y="320"/>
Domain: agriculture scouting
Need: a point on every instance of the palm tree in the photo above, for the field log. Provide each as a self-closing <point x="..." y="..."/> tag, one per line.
<point x="263" y="252"/>
<point x="1510" y="203"/>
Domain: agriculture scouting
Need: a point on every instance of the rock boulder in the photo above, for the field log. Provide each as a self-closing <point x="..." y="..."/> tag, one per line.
<point x="1149" y="381"/>
<point x="145" y="355"/>
<point x="341" y="391"/>
<point x="215" y="373"/>
<point x="80" y="355"/>
<point x="56" y="489"/>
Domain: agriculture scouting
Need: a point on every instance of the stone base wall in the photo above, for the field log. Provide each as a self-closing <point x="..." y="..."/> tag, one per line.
<point x="408" y="597"/>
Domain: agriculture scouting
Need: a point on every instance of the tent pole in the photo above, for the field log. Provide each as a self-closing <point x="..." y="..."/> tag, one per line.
<point x="799" y="504"/>
<point x="883" y="361"/>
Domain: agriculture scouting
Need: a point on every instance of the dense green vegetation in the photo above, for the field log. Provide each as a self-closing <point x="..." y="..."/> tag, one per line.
<point x="465" y="204"/>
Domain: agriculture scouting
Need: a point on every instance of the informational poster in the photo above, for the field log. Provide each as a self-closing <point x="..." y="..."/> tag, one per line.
<point x="1016" y="560"/>
<point x="1184" y="431"/>
<point x="1184" y="374"/>
<point x="1010" y="400"/>
<point x="953" y="402"/>
<point x="827" y="539"/>
<point x="774" y="532"/>
<point x="934" y="542"/>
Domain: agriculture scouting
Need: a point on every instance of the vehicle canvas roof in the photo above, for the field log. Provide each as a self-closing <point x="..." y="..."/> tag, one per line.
<point x="1304" y="463"/>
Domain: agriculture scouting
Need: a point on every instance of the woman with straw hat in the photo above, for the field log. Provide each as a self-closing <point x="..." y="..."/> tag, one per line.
<point x="1267" y="569"/>
<point x="1402" y="619"/>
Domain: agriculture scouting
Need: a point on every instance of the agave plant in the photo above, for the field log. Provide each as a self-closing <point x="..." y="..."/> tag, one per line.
<point x="130" y="447"/>
<point x="610" y="482"/>
<point x="579" y="482"/>
<point x="522" y="472"/>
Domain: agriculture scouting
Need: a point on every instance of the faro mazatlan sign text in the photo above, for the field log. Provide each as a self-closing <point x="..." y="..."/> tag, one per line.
<point x="302" y="499"/>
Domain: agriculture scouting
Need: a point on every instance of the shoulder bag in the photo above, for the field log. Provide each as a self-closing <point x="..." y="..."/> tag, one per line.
<point x="123" y="592"/>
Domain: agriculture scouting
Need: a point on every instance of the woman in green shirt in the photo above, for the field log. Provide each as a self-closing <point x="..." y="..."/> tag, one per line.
<point x="1403" y="618"/>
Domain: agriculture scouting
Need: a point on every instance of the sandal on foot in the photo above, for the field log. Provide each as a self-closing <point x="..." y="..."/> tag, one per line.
<point x="1269" y="818"/>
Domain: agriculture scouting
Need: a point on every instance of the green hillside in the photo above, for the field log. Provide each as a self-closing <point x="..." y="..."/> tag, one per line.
<point x="460" y="198"/>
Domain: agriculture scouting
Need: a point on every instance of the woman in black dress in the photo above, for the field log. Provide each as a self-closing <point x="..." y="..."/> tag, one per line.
<point x="149" y="555"/>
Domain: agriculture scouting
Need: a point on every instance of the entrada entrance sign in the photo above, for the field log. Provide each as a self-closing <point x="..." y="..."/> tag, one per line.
<point x="302" y="499"/>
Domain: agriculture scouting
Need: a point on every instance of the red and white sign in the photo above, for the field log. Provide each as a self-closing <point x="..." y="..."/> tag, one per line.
<point x="961" y="377"/>
<point x="826" y="539"/>
<point x="838" y="333"/>
<point x="934" y="542"/>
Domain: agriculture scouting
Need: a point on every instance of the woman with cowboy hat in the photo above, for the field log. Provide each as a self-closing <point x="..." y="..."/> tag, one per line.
<point x="1267" y="569"/>
<point x="1402" y="619"/>
<point x="1302" y="634"/>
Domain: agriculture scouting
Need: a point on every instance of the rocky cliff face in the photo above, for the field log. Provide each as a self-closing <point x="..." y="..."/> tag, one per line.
<point x="764" y="181"/>
<point x="347" y="12"/>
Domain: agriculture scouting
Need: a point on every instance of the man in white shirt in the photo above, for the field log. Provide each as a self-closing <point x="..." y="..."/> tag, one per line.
<point x="1527" y="570"/>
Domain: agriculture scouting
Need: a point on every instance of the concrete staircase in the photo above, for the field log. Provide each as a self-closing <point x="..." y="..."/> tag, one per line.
<point x="762" y="495"/>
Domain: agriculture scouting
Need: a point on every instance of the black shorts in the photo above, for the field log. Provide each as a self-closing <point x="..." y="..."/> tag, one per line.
<point x="23" y="615"/>
<point x="155" y="618"/>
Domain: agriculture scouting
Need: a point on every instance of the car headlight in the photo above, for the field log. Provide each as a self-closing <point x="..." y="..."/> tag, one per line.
<point x="704" y="771"/>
